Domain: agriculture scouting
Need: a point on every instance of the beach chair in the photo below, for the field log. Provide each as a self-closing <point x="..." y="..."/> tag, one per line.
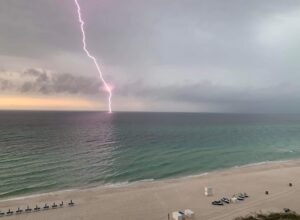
<point x="218" y="202"/>
<point x="36" y="209"/>
<point x="71" y="203"/>
<point x="245" y="195"/>
<point x="54" y="206"/>
<point x="241" y="195"/>
<point x="225" y="200"/>
<point x="28" y="209"/>
<point x="9" y="212"/>
<point x="19" y="211"/>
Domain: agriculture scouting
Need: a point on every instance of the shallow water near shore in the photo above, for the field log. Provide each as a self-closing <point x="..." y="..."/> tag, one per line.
<point x="50" y="151"/>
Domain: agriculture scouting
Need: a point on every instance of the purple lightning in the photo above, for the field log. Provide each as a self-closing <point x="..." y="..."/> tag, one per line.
<point x="108" y="89"/>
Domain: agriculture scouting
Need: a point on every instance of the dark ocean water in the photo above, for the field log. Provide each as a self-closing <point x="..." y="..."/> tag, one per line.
<point x="49" y="151"/>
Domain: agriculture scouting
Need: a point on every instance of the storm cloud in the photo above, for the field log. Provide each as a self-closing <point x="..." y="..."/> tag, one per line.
<point x="37" y="81"/>
<point x="275" y="98"/>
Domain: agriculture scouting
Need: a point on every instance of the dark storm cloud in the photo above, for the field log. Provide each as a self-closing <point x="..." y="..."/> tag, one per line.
<point x="37" y="81"/>
<point x="274" y="98"/>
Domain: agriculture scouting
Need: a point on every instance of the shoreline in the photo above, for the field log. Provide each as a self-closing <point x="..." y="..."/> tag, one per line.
<point x="155" y="199"/>
<point x="134" y="183"/>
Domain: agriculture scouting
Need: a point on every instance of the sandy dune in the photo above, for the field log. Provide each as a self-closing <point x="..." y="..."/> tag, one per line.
<point x="154" y="200"/>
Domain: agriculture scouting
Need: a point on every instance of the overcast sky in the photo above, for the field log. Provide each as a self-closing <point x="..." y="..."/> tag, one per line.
<point x="158" y="55"/>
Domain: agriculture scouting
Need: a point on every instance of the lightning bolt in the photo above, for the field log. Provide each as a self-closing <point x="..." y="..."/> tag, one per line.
<point x="108" y="89"/>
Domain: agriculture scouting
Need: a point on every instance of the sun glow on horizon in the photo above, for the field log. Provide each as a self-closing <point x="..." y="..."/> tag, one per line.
<point x="41" y="103"/>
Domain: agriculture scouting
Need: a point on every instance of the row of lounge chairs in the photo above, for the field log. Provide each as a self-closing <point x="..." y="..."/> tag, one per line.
<point x="233" y="199"/>
<point x="35" y="209"/>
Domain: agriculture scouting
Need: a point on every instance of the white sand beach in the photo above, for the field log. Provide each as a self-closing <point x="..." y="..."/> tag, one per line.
<point x="154" y="200"/>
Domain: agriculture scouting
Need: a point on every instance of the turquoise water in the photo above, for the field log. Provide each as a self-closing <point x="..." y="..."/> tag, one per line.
<point x="49" y="151"/>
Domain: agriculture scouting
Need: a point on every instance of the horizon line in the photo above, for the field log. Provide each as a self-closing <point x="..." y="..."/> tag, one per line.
<point x="103" y="111"/>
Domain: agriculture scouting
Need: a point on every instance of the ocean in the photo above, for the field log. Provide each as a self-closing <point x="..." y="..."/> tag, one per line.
<point x="50" y="151"/>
